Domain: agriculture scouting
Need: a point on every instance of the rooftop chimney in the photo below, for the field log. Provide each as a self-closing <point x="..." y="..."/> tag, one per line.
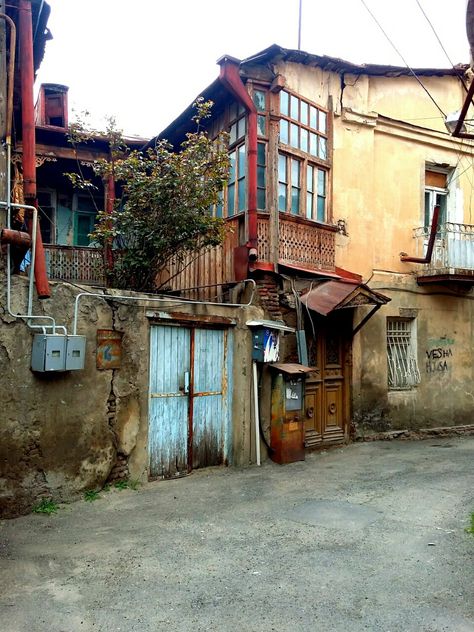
<point x="51" y="107"/>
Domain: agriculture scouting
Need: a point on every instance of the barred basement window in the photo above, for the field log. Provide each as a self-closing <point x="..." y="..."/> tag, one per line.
<point x="403" y="373"/>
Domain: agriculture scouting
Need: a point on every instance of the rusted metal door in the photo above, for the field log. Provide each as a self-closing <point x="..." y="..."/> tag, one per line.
<point x="326" y="409"/>
<point x="190" y="391"/>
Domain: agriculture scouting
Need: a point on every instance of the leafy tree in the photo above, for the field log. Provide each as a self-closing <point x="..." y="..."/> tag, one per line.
<point x="163" y="211"/>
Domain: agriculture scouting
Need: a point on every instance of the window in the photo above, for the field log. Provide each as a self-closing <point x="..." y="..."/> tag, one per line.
<point x="84" y="220"/>
<point x="403" y="373"/>
<point x="237" y="122"/>
<point x="260" y="99"/>
<point x="47" y="216"/>
<point x="303" y="126"/>
<point x="436" y="194"/>
<point x="293" y="179"/>
<point x="302" y="176"/>
<point x="236" y="187"/>
<point x="261" y="175"/>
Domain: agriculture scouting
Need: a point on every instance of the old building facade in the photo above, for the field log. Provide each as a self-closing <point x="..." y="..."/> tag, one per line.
<point x="336" y="172"/>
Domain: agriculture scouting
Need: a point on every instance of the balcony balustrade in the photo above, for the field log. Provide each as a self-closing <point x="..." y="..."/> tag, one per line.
<point x="453" y="253"/>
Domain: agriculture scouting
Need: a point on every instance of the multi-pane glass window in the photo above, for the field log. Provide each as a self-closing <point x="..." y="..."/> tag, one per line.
<point x="261" y="175"/>
<point x="259" y="99"/>
<point x="237" y="187"/>
<point x="436" y="194"/>
<point x="315" y="193"/>
<point x="237" y="122"/>
<point x="301" y="190"/>
<point x="303" y="126"/>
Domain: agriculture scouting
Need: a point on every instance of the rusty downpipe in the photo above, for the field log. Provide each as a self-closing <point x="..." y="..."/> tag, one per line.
<point x="429" y="250"/>
<point x="230" y="78"/>
<point x="28" y="138"/>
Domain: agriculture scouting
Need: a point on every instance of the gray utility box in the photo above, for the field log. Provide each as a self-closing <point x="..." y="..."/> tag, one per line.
<point x="53" y="352"/>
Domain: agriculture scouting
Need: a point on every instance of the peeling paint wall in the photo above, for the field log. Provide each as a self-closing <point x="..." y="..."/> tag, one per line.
<point x="64" y="433"/>
<point x="386" y="131"/>
<point x="445" y="393"/>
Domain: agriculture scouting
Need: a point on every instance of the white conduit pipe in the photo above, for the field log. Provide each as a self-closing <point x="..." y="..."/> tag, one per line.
<point x="256" y="412"/>
<point x="9" y="205"/>
<point x="153" y="299"/>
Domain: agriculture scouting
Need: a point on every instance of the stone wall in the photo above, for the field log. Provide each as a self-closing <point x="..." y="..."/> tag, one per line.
<point x="64" y="433"/>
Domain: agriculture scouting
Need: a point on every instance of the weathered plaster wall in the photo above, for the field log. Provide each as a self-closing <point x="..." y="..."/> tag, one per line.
<point x="63" y="433"/>
<point x="445" y="395"/>
<point x="386" y="131"/>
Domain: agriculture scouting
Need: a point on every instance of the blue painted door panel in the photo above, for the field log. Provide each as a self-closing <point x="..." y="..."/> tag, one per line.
<point x="169" y="403"/>
<point x="209" y="418"/>
<point x="208" y="362"/>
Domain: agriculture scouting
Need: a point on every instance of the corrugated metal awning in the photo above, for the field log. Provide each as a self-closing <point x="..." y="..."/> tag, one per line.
<point x="331" y="295"/>
<point x="291" y="368"/>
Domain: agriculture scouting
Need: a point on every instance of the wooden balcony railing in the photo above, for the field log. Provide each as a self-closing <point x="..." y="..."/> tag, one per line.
<point x="301" y="242"/>
<point x="75" y="263"/>
<point x="453" y="252"/>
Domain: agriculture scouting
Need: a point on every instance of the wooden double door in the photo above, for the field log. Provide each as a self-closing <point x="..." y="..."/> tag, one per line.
<point x="327" y="403"/>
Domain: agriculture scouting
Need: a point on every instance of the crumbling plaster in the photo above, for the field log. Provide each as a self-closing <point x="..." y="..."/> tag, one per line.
<point x="63" y="433"/>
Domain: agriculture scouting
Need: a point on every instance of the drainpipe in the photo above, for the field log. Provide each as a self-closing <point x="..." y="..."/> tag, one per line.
<point x="230" y="78"/>
<point x="429" y="250"/>
<point x="28" y="138"/>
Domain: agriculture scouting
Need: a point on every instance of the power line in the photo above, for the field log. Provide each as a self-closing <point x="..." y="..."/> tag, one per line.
<point x="459" y="75"/>
<point x="402" y="57"/>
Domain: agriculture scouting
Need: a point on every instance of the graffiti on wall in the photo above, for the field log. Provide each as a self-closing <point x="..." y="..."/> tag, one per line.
<point x="438" y="355"/>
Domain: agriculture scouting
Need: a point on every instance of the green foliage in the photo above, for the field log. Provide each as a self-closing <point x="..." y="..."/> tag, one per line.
<point x="163" y="213"/>
<point x="127" y="484"/>
<point x="90" y="495"/>
<point x="470" y="529"/>
<point x="46" y="506"/>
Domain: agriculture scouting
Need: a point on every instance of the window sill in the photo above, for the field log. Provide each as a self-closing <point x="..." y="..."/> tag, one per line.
<point x="299" y="219"/>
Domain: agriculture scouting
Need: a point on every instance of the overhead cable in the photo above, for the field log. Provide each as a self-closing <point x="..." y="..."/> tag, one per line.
<point x="402" y="57"/>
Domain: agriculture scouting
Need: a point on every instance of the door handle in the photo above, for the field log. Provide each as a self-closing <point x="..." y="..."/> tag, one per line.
<point x="186" y="382"/>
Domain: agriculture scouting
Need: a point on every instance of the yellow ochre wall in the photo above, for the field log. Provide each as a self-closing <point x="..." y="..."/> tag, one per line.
<point x="386" y="130"/>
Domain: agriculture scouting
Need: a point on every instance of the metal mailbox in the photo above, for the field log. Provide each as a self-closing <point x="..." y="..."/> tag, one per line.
<point x="287" y="424"/>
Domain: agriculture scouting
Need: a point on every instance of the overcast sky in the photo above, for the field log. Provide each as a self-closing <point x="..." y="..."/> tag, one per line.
<point x="144" y="61"/>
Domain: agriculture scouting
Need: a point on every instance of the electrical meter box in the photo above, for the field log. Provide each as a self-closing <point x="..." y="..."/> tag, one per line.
<point x="49" y="353"/>
<point x="52" y="352"/>
<point x="287" y="418"/>
<point x="75" y="352"/>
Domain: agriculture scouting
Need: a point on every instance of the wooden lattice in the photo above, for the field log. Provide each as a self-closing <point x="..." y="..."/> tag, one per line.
<point x="263" y="239"/>
<point x="306" y="244"/>
<point x="71" y="263"/>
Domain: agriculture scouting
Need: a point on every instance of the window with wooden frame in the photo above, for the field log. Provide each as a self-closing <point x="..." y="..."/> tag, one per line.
<point x="259" y="98"/>
<point x="303" y="125"/>
<point x="47" y="215"/>
<point x="237" y="123"/>
<point x="303" y="158"/>
<point x="436" y="194"/>
<point x="301" y="188"/>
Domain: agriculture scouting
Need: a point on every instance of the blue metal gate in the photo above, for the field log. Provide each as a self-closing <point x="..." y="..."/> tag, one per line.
<point x="189" y="402"/>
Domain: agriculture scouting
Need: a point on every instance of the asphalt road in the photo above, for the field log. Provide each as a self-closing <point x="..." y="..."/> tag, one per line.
<point x="368" y="537"/>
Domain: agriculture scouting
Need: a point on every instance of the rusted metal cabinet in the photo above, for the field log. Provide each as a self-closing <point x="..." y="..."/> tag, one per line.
<point x="287" y="418"/>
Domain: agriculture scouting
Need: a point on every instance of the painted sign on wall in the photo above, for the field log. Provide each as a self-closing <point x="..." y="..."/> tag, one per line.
<point x="439" y="355"/>
<point x="109" y="349"/>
